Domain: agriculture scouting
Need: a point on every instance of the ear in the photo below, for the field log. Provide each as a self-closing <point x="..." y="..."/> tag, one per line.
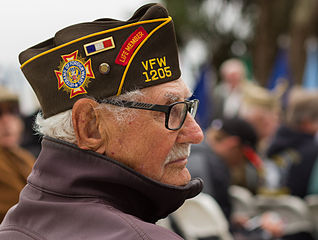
<point x="85" y="123"/>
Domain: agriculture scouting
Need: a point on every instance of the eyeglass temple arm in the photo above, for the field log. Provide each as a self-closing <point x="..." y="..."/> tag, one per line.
<point x="139" y="105"/>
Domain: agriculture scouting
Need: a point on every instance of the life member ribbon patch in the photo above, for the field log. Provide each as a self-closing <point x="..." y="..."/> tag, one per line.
<point x="130" y="45"/>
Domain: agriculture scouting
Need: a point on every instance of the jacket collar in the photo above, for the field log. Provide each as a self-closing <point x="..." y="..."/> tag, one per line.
<point x="64" y="169"/>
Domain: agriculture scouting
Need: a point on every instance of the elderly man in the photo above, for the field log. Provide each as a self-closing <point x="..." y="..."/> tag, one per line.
<point x="117" y="132"/>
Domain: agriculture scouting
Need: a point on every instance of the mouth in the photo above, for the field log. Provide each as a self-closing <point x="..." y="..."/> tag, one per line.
<point x="179" y="161"/>
<point x="178" y="155"/>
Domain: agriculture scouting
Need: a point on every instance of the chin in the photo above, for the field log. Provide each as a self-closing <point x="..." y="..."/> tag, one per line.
<point x="181" y="178"/>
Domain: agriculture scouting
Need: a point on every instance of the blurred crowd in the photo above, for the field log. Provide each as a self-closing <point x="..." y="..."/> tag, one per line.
<point x="19" y="147"/>
<point x="259" y="161"/>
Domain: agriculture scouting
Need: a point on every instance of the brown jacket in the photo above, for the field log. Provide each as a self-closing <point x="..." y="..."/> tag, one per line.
<point x="77" y="194"/>
<point x="15" y="166"/>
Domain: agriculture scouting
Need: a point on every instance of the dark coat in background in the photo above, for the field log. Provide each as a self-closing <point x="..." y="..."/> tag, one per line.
<point x="212" y="169"/>
<point x="295" y="153"/>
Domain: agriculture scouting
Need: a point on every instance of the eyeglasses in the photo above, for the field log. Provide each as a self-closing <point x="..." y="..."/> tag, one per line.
<point x="175" y="113"/>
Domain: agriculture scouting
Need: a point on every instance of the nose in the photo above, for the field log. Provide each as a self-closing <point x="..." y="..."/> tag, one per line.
<point x="190" y="132"/>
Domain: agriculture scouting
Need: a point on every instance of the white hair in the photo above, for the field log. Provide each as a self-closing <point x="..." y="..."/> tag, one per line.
<point x="60" y="126"/>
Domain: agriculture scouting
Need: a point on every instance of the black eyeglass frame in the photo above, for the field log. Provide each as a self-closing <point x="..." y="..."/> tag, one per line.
<point x="192" y="106"/>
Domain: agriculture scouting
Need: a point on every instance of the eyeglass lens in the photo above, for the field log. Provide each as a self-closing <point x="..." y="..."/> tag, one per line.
<point x="179" y="111"/>
<point x="193" y="108"/>
<point x="177" y="115"/>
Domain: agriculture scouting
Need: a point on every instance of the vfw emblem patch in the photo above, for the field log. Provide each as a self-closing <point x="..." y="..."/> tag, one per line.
<point x="74" y="74"/>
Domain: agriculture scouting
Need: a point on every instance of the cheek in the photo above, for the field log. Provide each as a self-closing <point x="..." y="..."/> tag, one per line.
<point x="153" y="154"/>
<point x="142" y="144"/>
<point x="10" y="133"/>
<point x="11" y="125"/>
<point x="267" y="125"/>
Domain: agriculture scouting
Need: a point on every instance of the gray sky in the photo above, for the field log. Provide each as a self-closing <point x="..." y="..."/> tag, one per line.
<point x="26" y="23"/>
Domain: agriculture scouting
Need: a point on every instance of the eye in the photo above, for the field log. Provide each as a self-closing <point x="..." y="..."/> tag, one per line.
<point x="177" y="110"/>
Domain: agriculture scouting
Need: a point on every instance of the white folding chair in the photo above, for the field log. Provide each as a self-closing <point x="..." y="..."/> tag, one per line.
<point x="200" y="217"/>
<point x="312" y="202"/>
<point x="293" y="211"/>
<point x="243" y="202"/>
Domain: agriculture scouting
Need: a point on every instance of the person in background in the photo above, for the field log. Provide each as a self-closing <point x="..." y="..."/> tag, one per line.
<point x="229" y="146"/>
<point x="15" y="162"/>
<point x="117" y="126"/>
<point x="294" y="149"/>
<point x="227" y="95"/>
<point x="262" y="109"/>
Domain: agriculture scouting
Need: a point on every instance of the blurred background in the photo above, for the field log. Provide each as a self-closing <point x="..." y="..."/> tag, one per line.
<point x="256" y="60"/>
<point x="275" y="39"/>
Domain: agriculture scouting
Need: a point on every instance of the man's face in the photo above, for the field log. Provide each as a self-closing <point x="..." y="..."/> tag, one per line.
<point x="145" y="144"/>
<point x="11" y="125"/>
<point x="227" y="147"/>
<point x="264" y="121"/>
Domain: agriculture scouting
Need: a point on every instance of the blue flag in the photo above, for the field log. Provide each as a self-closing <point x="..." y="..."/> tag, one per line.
<point x="203" y="92"/>
<point x="310" y="80"/>
<point x="281" y="75"/>
<point x="281" y="70"/>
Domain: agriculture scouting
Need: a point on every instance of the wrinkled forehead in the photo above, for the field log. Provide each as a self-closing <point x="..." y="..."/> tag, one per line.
<point x="169" y="92"/>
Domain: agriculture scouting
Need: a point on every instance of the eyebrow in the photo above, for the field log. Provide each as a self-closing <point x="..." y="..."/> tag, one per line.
<point x="173" y="97"/>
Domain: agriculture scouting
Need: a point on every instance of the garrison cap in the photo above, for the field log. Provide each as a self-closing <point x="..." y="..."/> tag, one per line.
<point x="102" y="58"/>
